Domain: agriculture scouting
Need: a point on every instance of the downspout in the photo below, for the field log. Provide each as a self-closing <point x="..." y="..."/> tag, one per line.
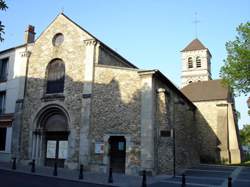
<point x="228" y="140"/>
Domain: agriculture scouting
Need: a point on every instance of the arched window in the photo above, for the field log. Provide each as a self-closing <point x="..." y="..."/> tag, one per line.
<point x="198" y="62"/>
<point x="55" y="76"/>
<point x="190" y="62"/>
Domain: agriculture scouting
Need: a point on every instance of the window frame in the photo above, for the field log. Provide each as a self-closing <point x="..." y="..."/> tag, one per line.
<point x="2" y="103"/>
<point x="190" y="63"/>
<point x="4" y="62"/>
<point x="56" y="70"/>
<point x="198" y="62"/>
<point x="3" y="143"/>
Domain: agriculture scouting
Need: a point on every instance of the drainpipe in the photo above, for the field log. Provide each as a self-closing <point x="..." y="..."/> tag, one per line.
<point x="228" y="140"/>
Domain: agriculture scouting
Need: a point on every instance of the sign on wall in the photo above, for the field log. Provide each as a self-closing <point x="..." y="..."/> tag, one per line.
<point x="51" y="149"/>
<point x="63" y="150"/>
<point x="99" y="148"/>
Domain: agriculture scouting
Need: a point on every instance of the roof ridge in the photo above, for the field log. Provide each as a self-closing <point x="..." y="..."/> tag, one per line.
<point x="195" y="44"/>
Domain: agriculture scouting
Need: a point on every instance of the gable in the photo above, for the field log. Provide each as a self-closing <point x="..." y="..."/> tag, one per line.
<point x="62" y="24"/>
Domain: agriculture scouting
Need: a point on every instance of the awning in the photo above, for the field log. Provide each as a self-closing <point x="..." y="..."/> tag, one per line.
<point x="6" y="120"/>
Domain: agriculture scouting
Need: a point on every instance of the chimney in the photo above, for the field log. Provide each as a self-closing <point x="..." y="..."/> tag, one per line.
<point x="29" y="35"/>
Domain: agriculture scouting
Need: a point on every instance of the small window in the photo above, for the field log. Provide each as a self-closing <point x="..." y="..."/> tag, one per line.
<point x="2" y="138"/>
<point x="55" y="76"/>
<point x="58" y="39"/>
<point x="190" y="62"/>
<point x="121" y="146"/>
<point x="198" y="62"/>
<point x="2" y="102"/>
<point x="165" y="133"/>
<point x="190" y="82"/>
<point x="3" y="69"/>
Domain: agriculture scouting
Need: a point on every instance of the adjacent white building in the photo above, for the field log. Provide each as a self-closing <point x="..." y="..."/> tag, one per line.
<point x="13" y="63"/>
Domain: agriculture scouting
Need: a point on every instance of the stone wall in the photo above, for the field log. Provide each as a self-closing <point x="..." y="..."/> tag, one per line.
<point x="116" y="111"/>
<point x="207" y="121"/>
<point x="72" y="52"/>
<point x="174" y="114"/>
<point x="163" y="124"/>
<point x="107" y="57"/>
<point x="218" y="132"/>
<point x="195" y="74"/>
<point x="186" y="143"/>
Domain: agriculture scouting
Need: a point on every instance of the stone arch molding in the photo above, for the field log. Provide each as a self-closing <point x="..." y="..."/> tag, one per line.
<point x="36" y="122"/>
<point x="36" y="136"/>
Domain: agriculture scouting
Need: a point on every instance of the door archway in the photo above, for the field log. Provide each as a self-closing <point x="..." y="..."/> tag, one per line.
<point x="51" y="137"/>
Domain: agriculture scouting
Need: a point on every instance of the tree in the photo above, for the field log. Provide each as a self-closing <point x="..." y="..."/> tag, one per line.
<point x="245" y="135"/>
<point x="236" y="70"/>
<point x="3" y="7"/>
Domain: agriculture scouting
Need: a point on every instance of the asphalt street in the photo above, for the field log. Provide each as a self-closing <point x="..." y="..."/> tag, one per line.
<point x="15" y="179"/>
<point x="204" y="176"/>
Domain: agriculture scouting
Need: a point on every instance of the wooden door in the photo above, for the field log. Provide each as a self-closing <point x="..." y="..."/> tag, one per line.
<point x="56" y="146"/>
<point x="117" y="153"/>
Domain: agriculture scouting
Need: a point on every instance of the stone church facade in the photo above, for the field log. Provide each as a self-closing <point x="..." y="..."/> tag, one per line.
<point x="85" y="104"/>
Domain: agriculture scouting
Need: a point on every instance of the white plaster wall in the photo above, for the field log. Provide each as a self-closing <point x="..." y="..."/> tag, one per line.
<point x="14" y="87"/>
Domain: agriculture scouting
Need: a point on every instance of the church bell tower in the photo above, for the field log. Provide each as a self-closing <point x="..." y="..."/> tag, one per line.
<point x="196" y="65"/>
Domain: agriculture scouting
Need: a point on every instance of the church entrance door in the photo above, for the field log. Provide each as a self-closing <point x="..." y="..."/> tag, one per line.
<point x="56" y="138"/>
<point x="56" y="148"/>
<point x="117" y="153"/>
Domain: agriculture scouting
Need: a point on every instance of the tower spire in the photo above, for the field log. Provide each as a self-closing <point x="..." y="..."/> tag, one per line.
<point x="196" y="21"/>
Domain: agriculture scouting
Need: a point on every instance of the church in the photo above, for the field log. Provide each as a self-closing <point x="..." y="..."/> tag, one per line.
<point x="83" y="103"/>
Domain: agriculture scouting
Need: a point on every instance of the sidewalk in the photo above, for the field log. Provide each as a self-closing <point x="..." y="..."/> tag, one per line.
<point x="96" y="178"/>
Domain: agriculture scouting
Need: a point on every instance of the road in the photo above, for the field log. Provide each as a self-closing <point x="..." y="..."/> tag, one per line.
<point x="16" y="179"/>
<point x="205" y="176"/>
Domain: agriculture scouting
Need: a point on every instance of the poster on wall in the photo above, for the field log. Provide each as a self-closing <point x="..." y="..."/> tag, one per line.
<point x="63" y="150"/>
<point x="99" y="148"/>
<point x="51" y="149"/>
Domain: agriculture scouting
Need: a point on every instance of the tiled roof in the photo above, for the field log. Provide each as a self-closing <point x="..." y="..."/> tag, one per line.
<point x="206" y="91"/>
<point x="194" y="45"/>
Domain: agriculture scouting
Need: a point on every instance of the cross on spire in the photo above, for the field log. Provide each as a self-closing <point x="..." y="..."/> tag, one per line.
<point x="62" y="9"/>
<point x="196" y="21"/>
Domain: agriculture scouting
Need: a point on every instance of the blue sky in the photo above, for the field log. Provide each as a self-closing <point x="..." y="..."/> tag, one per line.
<point x="149" y="33"/>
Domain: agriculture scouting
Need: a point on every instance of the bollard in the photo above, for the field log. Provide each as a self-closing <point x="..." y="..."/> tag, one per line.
<point x="144" y="179"/>
<point x="55" y="169"/>
<point x="110" y="180"/>
<point x="183" y="183"/>
<point x="33" y="166"/>
<point x="229" y="184"/>
<point x="14" y="164"/>
<point x="81" y="172"/>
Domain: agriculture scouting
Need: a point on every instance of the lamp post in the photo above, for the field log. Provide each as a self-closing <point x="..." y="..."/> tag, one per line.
<point x="174" y="172"/>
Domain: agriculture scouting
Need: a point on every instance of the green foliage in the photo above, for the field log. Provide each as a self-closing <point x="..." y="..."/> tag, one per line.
<point x="245" y="135"/>
<point x="3" y="7"/>
<point x="236" y="70"/>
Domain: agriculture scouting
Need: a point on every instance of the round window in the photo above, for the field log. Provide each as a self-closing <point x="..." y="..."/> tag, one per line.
<point x="58" y="39"/>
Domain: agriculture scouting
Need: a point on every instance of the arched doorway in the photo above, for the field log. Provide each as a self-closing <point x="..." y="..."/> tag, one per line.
<point x="51" y="137"/>
<point x="117" y="153"/>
